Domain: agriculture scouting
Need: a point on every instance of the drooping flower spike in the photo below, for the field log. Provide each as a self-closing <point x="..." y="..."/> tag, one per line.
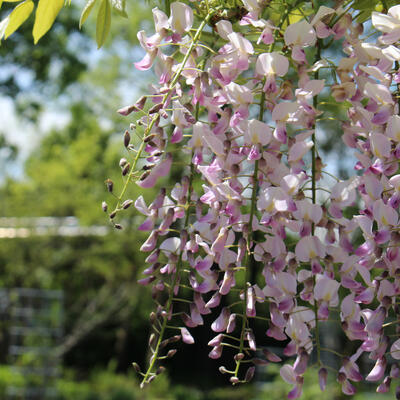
<point x="255" y="227"/>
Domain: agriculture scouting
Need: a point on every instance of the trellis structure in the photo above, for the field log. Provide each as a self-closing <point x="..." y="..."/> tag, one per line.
<point x="35" y="319"/>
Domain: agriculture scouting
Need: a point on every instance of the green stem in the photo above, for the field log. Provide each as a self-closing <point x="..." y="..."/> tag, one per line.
<point x="314" y="198"/>
<point x="168" y="307"/>
<point x="247" y="262"/>
<point x="153" y="120"/>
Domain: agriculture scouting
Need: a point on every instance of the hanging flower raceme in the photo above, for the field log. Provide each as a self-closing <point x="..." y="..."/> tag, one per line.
<point x="254" y="228"/>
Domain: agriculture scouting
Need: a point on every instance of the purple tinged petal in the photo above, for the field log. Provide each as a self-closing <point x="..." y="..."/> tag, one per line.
<point x="300" y="365"/>
<point x="227" y="282"/>
<point x="186" y="336"/>
<point x="195" y="315"/>
<point x="150" y="243"/>
<point x="276" y="316"/>
<point x="216" y="341"/>
<point x="395" y="350"/>
<point x="276" y="333"/>
<point x="296" y="392"/>
<point x="323" y="311"/>
<point x="366" y="296"/>
<point x="160" y="170"/>
<point x="177" y="135"/>
<point x="201" y="305"/>
<point x="188" y="321"/>
<point x="250" y="374"/>
<point x="221" y="323"/>
<point x="384" y="387"/>
<point x="378" y="371"/>
<point x="271" y="356"/>
<point x="215" y="353"/>
<point x="290" y="349"/>
<point x="351" y="370"/>
<point x="348" y="388"/>
<point x="249" y="336"/>
<point x="231" y="323"/>
<point x="214" y="301"/>
<point x="146" y="281"/>
<point x="395" y="371"/>
<point x="322" y="378"/>
<point x="250" y="303"/>
<point x="147" y="225"/>
<point x="375" y="322"/>
<point x="288" y="375"/>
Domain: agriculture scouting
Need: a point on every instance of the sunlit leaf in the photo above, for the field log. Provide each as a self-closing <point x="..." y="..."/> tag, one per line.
<point x="19" y="15"/>
<point x="3" y="26"/>
<point x="119" y="7"/>
<point x="103" y="22"/>
<point x="293" y="18"/>
<point x="86" y="12"/>
<point x="46" y="13"/>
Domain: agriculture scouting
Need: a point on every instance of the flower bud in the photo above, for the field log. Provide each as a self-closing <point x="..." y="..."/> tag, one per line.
<point x="153" y="317"/>
<point x="238" y="356"/>
<point x="126" y="204"/>
<point x="259" y="361"/>
<point x="223" y="370"/>
<point x="127" y="138"/>
<point x="234" y="380"/>
<point x="235" y="169"/>
<point x="395" y="371"/>
<point x="112" y="214"/>
<point x="250" y="374"/>
<point x="126" y="168"/>
<point x="136" y="367"/>
<point x="104" y="206"/>
<point x="152" y="338"/>
<point x="160" y="370"/>
<point x="122" y="162"/>
<point x="175" y="338"/>
<point x="156" y="108"/>
<point x="118" y="226"/>
<point x="322" y="377"/>
<point x="149" y="138"/>
<point x="171" y="353"/>
<point x="110" y="185"/>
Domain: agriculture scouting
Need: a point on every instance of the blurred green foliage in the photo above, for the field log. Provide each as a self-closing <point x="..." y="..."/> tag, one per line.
<point x="108" y="385"/>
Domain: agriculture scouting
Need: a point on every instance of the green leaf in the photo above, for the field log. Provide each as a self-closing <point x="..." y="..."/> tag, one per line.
<point x="18" y="16"/>
<point x="103" y="22"/>
<point x="363" y="16"/>
<point x="46" y="13"/>
<point x="3" y="26"/>
<point x="119" y="7"/>
<point x="86" y="11"/>
<point x="365" y="4"/>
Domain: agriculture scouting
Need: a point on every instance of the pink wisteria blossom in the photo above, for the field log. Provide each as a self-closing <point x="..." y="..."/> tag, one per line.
<point x="257" y="227"/>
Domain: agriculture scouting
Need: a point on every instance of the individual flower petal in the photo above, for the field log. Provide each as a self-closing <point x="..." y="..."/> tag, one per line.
<point x="301" y="33"/>
<point x="309" y="247"/>
<point x="181" y="17"/>
<point x="378" y="371"/>
<point x="160" y="170"/>
<point x="221" y="323"/>
<point x="287" y="373"/>
<point x="395" y="350"/>
<point x="186" y="336"/>
<point x="272" y="63"/>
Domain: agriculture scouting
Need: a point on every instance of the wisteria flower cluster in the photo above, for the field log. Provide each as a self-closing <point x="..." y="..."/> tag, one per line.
<point x="257" y="228"/>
